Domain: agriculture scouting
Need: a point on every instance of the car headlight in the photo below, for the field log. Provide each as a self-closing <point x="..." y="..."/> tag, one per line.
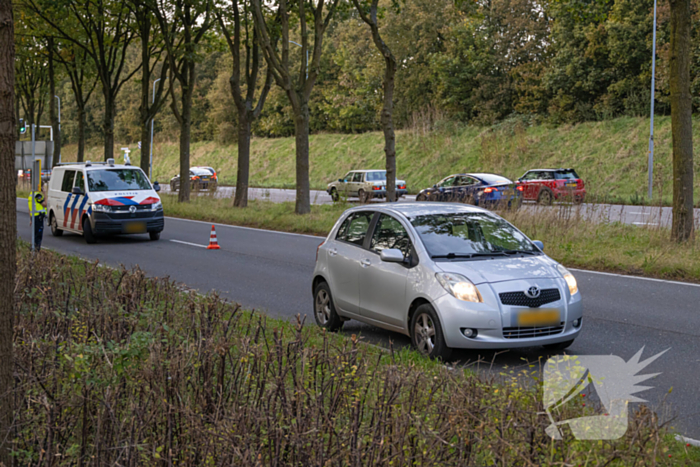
<point x="101" y="208"/>
<point x="156" y="206"/>
<point x="569" y="278"/>
<point x="459" y="287"/>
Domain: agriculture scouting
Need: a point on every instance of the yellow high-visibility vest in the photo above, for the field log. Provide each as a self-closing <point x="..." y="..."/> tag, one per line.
<point x="37" y="209"/>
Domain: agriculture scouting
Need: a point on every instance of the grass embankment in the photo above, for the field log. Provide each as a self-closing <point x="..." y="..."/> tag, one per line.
<point x="113" y="367"/>
<point x="572" y="235"/>
<point x="611" y="156"/>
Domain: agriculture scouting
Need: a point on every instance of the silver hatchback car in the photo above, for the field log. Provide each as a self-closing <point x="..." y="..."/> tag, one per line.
<point x="447" y="275"/>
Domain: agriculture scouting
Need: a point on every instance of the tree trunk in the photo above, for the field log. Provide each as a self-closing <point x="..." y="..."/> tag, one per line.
<point x="53" y="115"/>
<point x="108" y="126"/>
<point x="681" y="122"/>
<point x="243" y="173"/>
<point x="388" y="128"/>
<point x="301" y="129"/>
<point x="185" y="129"/>
<point x="8" y="226"/>
<point x="81" y="133"/>
<point x="146" y="149"/>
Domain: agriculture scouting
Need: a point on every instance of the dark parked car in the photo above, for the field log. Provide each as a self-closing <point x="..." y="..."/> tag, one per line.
<point x="547" y="185"/>
<point x="480" y="189"/>
<point x="201" y="178"/>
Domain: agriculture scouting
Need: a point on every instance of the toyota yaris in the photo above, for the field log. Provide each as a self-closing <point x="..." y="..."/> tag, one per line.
<point x="447" y="275"/>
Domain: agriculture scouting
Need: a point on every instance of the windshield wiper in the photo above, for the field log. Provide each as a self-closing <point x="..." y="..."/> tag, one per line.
<point x="515" y="252"/>
<point x="468" y="255"/>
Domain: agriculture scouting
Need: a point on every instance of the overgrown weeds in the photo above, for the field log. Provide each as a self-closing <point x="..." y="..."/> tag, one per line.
<point x="114" y="368"/>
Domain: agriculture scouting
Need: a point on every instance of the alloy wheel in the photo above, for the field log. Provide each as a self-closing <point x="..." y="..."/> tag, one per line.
<point x="323" y="307"/>
<point x="424" y="331"/>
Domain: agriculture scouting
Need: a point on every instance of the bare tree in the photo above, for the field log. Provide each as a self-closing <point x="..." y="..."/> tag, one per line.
<point x="102" y="29"/>
<point x="247" y="108"/>
<point x="31" y="82"/>
<point x="368" y="12"/>
<point x="151" y="50"/>
<point x="8" y="225"/>
<point x="298" y="89"/>
<point x="681" y="120"/>
<point x="183" y="24"/>
<point x="83" y="81"/>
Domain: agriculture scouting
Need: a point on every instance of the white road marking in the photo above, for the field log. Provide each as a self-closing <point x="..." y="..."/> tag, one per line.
<point x="691" y="441"/>
<point x="645" y="223"/>
<point x="642" y="213"/>
<point x="244" y="228"/>
<point x="636" y="277"/>
<point x="188" y="243"/>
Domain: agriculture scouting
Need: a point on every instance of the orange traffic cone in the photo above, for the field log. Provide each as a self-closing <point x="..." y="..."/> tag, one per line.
<point x="213" y="243"/>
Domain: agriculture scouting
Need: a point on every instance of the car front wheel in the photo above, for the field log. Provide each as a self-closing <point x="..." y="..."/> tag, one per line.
<point x="324" y="309"/>
<point x="426" y="334"/>
<point x="334" y="195"/>
<point x="87" y="231"/>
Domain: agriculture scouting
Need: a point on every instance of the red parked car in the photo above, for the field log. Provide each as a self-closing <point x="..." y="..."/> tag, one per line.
<point x="548" y="185"/>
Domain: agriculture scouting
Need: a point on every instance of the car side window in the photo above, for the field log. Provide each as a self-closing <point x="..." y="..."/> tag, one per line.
<point x="466" y="181"/>
<point x="529" y="176"/>
<point x="348" y="177"/>
<point x="354" y="228"/>
<point x="449" y="181"/>
<point x="67" y="184"/>
<point x="357" y="177"/>
<point x="80" y="181"/>
<point x="546" y="176"/>
<point x="389" y="233"/>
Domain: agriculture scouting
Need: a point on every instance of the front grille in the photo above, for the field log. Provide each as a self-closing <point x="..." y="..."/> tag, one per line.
<point x="520" y="299"/>
<point x="524" y="333"/>
<point x="140" y="214"/>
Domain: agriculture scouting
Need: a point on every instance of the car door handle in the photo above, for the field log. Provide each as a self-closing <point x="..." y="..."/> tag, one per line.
<point x="333" y="252"/>
<point x="365" y="263"/>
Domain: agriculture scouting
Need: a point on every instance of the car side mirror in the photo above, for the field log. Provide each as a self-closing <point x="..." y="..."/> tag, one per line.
<point x="538" y="244"/>
<point x="435" y="186"/>
<point x="391" y="255"/>
<point x="341" y="180"/>
<point x="77" y="190"/>
<point x="156" y="186"/>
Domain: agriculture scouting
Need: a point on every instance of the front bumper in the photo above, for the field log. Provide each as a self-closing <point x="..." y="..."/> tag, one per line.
<point x="125" y="223"/>
<point x="494" y="321"/>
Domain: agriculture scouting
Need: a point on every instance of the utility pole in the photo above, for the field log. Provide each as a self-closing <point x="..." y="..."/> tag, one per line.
<point x="653" y="89"/>
<point x="150" y="160"/>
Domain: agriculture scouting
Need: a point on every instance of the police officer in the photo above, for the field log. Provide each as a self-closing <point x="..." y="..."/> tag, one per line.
<point x="37" y="214"/>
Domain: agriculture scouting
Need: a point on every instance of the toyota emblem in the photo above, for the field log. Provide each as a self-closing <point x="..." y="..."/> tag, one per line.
<point x="132" y="209"/>
<point x="533" y="292"/>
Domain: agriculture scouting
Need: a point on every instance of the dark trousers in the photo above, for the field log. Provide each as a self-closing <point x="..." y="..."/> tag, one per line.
<point x="38" y="231"/>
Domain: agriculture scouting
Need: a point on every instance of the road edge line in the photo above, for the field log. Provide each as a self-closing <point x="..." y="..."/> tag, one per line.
<point x="652" y="279"/>
<point x="691" y="441"/>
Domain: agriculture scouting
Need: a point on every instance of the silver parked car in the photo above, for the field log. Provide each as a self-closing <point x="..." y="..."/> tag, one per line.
<point x="447" y="275"/>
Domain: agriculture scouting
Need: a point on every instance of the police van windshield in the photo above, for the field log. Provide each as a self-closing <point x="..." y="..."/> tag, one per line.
<point x="117" y="180"/>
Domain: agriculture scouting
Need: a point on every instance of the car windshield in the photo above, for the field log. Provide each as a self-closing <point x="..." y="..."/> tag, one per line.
<point x="491" y="179"/>
<point x="377" y="176"/>
<point x="566" y="175"/>
<point x="117" y="180"/>
<point x="466" y="234"/>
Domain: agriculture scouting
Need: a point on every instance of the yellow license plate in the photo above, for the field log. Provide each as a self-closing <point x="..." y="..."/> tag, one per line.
<point x="135" y="227"/>
<point x="538" y="318"/>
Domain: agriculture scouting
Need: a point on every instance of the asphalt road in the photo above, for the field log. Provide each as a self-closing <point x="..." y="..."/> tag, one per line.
<point x="637" y="215"/>
<point x="271" y="271"/>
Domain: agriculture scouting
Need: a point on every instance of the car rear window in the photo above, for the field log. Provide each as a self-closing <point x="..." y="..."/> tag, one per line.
<point x="491" y="179"/>
<point x="566" y="175"/>
<point x="117" y="180"/>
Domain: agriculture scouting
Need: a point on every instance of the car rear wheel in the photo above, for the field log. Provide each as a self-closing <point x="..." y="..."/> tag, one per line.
<point x="546" y="197"/>
<point x="87" y="231"/>
<point x="55" y="231"/>
<point x="324" y="309"/>
<point x="426" y="333"/>
<point x="173" y="186"/>
<point x="334" y="195"/>
<point x="420" y="197"/>
<point x="559" y="346"/>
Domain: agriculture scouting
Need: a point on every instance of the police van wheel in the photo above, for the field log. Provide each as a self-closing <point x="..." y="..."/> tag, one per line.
<point x="55" y="231"/>
<point x="87" y="232"/>
<point x="154" y="235"/>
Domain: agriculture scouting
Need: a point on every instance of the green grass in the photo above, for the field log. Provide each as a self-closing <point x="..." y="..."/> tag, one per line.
<point x="611" y="156"/>
<point x="113" y="365"/>
<point x="571" y="235"/>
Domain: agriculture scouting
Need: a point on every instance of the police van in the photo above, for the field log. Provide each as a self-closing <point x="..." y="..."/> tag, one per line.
<point x="101" y="198"/>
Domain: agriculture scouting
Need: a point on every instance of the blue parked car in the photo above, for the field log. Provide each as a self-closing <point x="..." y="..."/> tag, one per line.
<point x="481" y="189"/>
